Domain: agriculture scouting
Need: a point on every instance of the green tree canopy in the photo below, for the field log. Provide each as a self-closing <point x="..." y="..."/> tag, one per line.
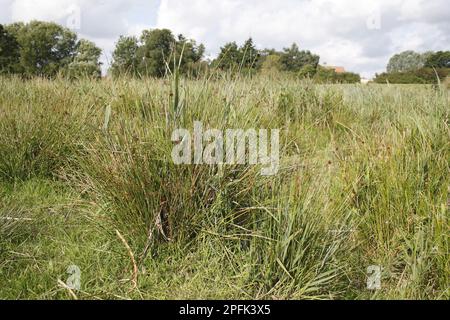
<point x="249" y="55"/>
<point x="9" y="52"/>
<point x="233" y="57"/>
<point x="188" y="55"/>
<point x="229" y="57"/>
<point x="407" y="61"/>
<point x="86" y="62"/>
<point x="292" y="59"/>
<point x="125" y="57"/>
<point x="440" y="59"/>
<point x="155" y="54"/>
<point x="421" y="76"/>
<point x="45" y="47"/>
<point x="327" y="75"/>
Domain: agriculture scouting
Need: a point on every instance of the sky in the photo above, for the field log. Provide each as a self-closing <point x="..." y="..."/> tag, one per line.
<point x="358" y="35"/>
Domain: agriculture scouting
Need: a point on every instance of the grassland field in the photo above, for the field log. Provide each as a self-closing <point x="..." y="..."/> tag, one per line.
<point x="87" y="180"/>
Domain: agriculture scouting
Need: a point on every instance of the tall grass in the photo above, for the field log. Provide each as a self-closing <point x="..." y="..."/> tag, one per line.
<point x="363" y="181"/>
<point x="39" y="128"/>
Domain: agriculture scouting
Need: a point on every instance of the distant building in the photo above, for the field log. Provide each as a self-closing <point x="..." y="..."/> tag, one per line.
<point x="365" y="80"/>
<point x="336" y="69"/>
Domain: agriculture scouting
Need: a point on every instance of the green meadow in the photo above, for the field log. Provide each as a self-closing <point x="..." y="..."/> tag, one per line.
<point x="87" y="180"/>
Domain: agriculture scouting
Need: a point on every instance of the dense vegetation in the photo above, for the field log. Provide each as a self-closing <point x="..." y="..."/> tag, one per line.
<point x="412" y="67"/>
<point x="158" y="53"/>
<point x="46" y="49"/>
<point x="420" y="76"/>
<point x="86" y="179"/>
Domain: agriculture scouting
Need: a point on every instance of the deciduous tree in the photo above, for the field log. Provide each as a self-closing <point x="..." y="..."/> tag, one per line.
<point x="440" y="59"/>
<point x="125" y="57"/>
<point x="86" y="62"/>
<point x="9" y="52"/>
<point x="407" y="61"/>
<point x="45" y="47"/>
<point x="293" y="59"/>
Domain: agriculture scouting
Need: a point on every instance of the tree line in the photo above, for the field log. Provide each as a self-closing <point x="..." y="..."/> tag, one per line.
<point x="47" y="49"/>
<point x="157" y="52"/>
<point x="413" y="67"/>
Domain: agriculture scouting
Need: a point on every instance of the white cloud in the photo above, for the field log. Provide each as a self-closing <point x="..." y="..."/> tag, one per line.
<point x="26" y="10"/>
<point x="343" y="32"/>
<point x="360" y="35"/>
